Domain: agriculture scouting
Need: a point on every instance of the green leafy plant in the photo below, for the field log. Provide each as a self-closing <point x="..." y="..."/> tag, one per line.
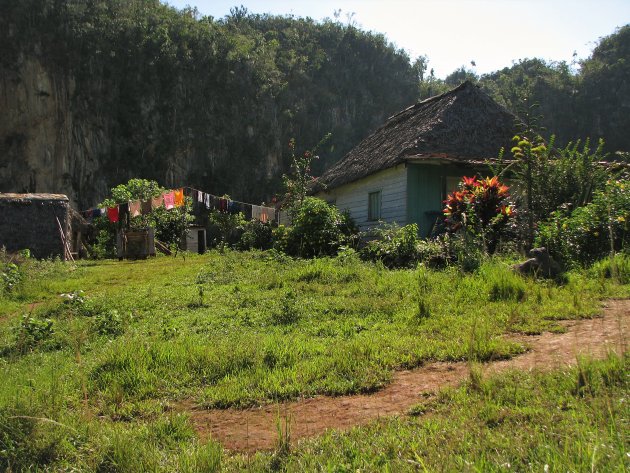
<point x="316" y="230"/>
<point x="33" y="331"/>
<point x="10" y="276"/>
<point x="110" y="323"/>
<point x="394" y="246"/>
<point x="592" y="232"/>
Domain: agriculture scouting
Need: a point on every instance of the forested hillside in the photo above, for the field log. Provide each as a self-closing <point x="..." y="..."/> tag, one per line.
<point x="590" y="98"/>
<point x="95" y="92"/>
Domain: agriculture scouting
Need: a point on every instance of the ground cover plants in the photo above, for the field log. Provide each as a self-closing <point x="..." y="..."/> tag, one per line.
<point x="90" y="378"/>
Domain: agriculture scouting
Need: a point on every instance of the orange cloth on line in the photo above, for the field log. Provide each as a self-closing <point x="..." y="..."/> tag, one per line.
<point x="179" y="197"/>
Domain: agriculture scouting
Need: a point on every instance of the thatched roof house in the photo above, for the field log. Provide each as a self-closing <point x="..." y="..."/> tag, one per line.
<point x="32" y="221"/>
<point x="402" y="172"/>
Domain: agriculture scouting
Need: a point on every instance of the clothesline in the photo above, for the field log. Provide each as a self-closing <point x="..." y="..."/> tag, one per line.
<point x="224" y="204"/>
<point x="237" y="201"/>
<point x="175" y="198"/>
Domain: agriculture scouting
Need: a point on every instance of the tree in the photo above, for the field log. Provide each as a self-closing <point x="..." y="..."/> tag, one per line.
<point x="170" y="224"/>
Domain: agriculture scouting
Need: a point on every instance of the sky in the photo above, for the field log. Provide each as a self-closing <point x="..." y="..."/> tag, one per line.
<point x="452" y="33"/>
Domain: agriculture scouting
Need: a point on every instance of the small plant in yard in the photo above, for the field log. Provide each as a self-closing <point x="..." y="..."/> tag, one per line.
<point x="424" y="290"/>
<point x="109" y="323"/>
<point x="394" y="246"/>
<point x="33" y="331"/>
<point x="10" y="276"/>
<point x="288" y="312"/>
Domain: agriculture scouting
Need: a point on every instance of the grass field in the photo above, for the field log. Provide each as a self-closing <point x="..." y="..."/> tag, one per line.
<point x="88" y="379"/>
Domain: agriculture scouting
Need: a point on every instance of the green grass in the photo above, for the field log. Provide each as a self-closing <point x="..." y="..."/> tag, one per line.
<point x="236" y="329"/>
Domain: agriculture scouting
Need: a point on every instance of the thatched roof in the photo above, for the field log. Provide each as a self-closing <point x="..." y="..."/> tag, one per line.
<point x="9" y="197"/>
<point x="462" y="125"/>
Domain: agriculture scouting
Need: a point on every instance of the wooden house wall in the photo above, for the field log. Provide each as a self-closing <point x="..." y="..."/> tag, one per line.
<point x="392" y="183"/>
<point x="427" y="186"/>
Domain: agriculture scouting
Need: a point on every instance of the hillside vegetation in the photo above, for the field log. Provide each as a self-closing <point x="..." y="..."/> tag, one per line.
<point x="97" y="92"/>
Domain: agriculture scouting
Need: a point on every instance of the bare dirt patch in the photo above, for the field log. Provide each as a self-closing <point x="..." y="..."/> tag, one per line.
<point x="255" y="429"/>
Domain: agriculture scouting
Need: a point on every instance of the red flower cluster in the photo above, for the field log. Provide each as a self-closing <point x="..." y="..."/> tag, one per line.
<point x="477" y="202"/>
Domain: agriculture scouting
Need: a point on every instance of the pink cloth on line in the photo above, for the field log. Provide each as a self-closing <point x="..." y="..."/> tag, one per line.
<point x="169" y="200"/>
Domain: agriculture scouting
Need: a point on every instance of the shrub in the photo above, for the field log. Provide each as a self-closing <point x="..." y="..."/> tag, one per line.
<point x="288" y="313"/>
<point x="395" y="246"/>
<point x="590" y="233"/>
<point x="256" y="235"/>
<point x="109" y="323"/>
<point x="316" y="229"/>
<point x="225" y="228"/>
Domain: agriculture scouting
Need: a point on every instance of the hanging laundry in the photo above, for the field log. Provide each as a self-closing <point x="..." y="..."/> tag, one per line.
<point x="247" y="211"/>
<point x="169" y="200"/>
<point x="223" y="205"/>
<point x="200" y="196"/>
<point x="157" y="202"/>
<point x="206" y="201"/>
<point x="179" y="197"/>
<point x="256" y="212"/>
<point x="103" y="212"/>
<point x="146" y="207"/>
<point x="123" y="213"/>
<point x="112" y="214"/>
<point x="214" y="202"/>
<point x="134" y="208"/>
<point x="265" y="215"/>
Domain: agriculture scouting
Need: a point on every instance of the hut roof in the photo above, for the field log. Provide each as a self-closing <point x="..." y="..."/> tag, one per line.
<point x="461" y="125"/>
<point x="24" y="197"/>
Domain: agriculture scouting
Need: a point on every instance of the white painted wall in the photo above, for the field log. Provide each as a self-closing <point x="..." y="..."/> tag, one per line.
<point x="391" y="182"/>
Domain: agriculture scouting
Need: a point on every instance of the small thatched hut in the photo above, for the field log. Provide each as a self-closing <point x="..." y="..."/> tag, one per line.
<point x="33" y="221"/>
<point x="404" y="170"/>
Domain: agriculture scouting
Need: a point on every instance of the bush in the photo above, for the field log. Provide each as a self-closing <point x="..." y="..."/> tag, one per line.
<point x="225" y="228"/>
<point x="317" y="229"/>
<point x="395" y="246"/>
<point x="590" y="233"/>
<point x="256" y="235"/>
<point x="109" y="323"/>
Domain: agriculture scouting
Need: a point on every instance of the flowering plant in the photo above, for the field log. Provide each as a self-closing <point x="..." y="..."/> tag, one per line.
<point x="480" y="207"/>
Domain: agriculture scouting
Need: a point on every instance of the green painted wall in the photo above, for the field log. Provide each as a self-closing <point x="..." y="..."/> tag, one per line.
<point x="426" y="185"/>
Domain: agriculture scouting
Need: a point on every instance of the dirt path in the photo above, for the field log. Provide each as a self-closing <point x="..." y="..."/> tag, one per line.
<point x="255" y="429"/>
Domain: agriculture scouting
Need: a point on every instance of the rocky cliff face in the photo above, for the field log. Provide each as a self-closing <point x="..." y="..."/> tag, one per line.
<point x="43" y="146"/>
